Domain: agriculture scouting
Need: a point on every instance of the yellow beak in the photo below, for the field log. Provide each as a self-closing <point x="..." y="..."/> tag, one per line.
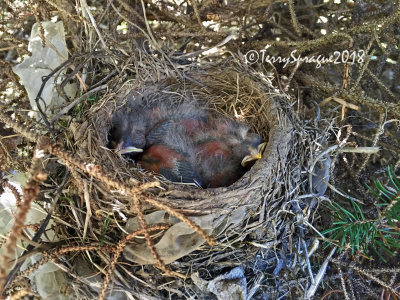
<point x="126" y="150"/>
<point x="254" y="154"/>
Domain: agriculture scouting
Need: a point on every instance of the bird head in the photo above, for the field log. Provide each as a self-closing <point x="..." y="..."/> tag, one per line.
<point x="252" y="147"/>
<point x="127" y="134"/>
<point x="254" y="153"/>
<point x="131" y="142"/>
<point x="245" y="145"/>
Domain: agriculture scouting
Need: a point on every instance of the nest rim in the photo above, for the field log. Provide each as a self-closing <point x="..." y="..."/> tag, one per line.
<point x="191" y="199"/>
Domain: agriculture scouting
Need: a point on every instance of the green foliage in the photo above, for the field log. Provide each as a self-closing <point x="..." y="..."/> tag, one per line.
<point x="350" y="227"/>
<point x="79" y="110"/>
<point x="94" y="99"/>
<point x="104" y="230"/>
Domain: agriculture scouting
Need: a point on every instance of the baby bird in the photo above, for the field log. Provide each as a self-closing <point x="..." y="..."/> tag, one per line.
<point x="186" y="143"/>
<point x="245" y="145"/>
<point x="140" y="125"/>
<point x="173" y="165"/>
<point x="169" y="152"/>
<point x="185" y="125"/>
<point x="224" y="151"/>
<point x="213" y="162"/>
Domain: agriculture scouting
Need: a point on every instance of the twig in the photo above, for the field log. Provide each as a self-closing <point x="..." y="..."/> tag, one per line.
<point x="13" y="190"/>
<point x="30" y="191"/>
<point x="320" y="275"/>
<point x="365" y="273"/>
<point x="295" y="22"/>
<point x="92" y="20"/>
<point x="343" y="103"/>
<point x="196" y="13"/>
<point x="44" y="81"/>
<point x="363" y="150"/>
<point x="88" y="210"/>
<point x="118" y="250"/>
<point x="39" y="233"/>
<point x="76" y="102"/>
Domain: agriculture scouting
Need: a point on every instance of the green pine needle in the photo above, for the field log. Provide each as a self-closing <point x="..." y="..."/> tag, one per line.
<point x="362" y="235"/>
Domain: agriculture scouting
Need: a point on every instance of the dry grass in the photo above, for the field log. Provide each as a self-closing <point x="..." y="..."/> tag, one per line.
<point x="266" y="221"/>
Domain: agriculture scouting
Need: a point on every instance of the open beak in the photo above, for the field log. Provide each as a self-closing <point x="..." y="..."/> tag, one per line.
<point x="254" y="154"/>
<point x="130" y="149"/>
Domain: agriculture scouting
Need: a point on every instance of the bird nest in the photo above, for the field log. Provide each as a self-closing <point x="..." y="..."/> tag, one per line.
<point x="180" y="218"/>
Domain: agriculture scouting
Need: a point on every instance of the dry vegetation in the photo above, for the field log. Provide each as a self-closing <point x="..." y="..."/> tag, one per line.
<point x="328" y="120"/>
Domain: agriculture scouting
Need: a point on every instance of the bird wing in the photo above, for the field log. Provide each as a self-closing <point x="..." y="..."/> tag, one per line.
<point x="182" y="171"/>
<point x="158" y="133"/>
